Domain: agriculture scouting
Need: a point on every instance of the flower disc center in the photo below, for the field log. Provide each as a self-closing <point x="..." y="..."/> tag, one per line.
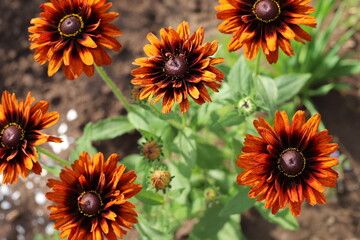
<point x="176" y="66"/>
<point x="266" y="10"/>
<point x="291" y="162"/>
<point x="12" y="134"/>
<point x="70" y="25"/>
<point x="90" y="203"/>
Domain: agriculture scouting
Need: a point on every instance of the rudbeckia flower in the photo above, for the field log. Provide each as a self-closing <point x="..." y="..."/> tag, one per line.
<point x="20" y="131"/>
<point x="92" y="199"/>
<point x="268" y="24"/>
<point x="178" y="67"/>
<point x="288" y="163"/>
<point x="73" y="34"/>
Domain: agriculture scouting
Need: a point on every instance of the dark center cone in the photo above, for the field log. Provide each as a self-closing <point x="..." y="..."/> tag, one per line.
<point x="90" y="204"/>
<point x="12" y="136"/>
<point x="292" y="163"/>
<point x="266" y="10"/>
<point x="176" y="66"/>
<point x="71" y="25"/>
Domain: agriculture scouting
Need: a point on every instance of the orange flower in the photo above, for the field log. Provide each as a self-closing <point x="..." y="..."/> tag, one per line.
<point x="20" y="127"/>
<point x="92" y="198"/>
<point x="288" y="163"/>
<point x="72" y="34"/>
<point x="178" y="67"/>
<point x="268" y="24"/>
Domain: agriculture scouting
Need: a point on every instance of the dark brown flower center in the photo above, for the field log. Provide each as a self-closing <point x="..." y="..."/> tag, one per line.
<point x="176" y="66"/>
<point x="12" y="135"/>
<point x="90" y="203"/>
<point x="70" y="25"/>
<point x="291" y="162"/>
<point x="266" y="10"/>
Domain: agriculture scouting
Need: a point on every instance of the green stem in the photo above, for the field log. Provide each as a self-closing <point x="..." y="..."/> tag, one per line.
<point x="56" y="158"/>
<point x="175" y="124"/>
<point x="50" y="170"/>
<point x="184" y="119"/>
<point x="113" y="87"/>
<point x="257" y="66"/>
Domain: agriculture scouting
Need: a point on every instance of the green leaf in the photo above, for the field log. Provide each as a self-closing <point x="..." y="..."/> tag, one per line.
<point x="210" y="224"/>
<point x="238" y="204"/>
<point x="187" y="146"/>
<point x="231" y="229"/>
<point x="283" y="218"/>
<point x="150" y="197"/>
<point x="209" y="156"/>
<point x="240" y="77"/>
<point x="345" y="68"/>
<point x="267" y="90"/>
<point x="143" y="119"/>
<point x="230" y="118"/>
<point x="105" y="129"/>
<point x="108" y="128"/>
<point x="289" y="85"/>
<point x="148" y="232"/>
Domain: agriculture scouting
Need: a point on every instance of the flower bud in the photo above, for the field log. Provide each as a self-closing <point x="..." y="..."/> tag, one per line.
<point x="161" y="179"/>
<point x="246" y="106"/>
<point x="209" y="194"/>
<point x="151" y="150"/>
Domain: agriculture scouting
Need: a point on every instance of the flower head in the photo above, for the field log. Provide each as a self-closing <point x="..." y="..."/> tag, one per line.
<point x="20" y="126"/>
<point x="72" y="35"/>
<point x="92" y="198"/>
<point x="151" y="150"/>
<point x="288" y="163"/>
<point x="178" y="67"/>
<point x="268" y="24"/>
<point x="161" y="180"/>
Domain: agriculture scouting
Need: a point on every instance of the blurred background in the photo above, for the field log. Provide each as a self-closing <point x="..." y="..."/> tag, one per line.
<point x="23" y="213"/>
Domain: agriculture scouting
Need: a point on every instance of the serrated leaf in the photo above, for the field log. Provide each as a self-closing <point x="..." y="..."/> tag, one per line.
<point x="267" y="91"/>
<point x="230" y="118"/>
<point x="107" y="128"/>
<point x="187" y="146"/>
<point x="289" y="85"/>
<point x="209" y="156"/>
<point x="145" y="120"/>
<point x="150" y="197"/>
<point x="148" y="232"/>
<point x="240" y="77"/>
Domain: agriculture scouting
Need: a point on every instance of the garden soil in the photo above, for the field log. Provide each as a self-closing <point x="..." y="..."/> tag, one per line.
<point x="23" y="211"/>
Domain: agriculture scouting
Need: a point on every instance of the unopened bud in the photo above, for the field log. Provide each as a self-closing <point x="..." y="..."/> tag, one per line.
<point x="151" y="150"/>
<point x="246" y="106"/>
<point x="209" y="194"/>
<point x="161" y="179"/>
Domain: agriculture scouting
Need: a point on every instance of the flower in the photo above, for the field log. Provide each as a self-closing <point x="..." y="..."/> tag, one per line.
<point x="92" y="198"/>
<point x="151" y="150"/>
<point x="288" y="163"/>
<point x="20" y="126"/>
<point x="178" y="67"/>
<point x="161" y="180"/>
<point x="268" y="24"/>
<point x="73" y="34"/>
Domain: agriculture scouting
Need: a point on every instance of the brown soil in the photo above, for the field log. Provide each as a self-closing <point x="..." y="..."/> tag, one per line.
<point x="93" y="100"/>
